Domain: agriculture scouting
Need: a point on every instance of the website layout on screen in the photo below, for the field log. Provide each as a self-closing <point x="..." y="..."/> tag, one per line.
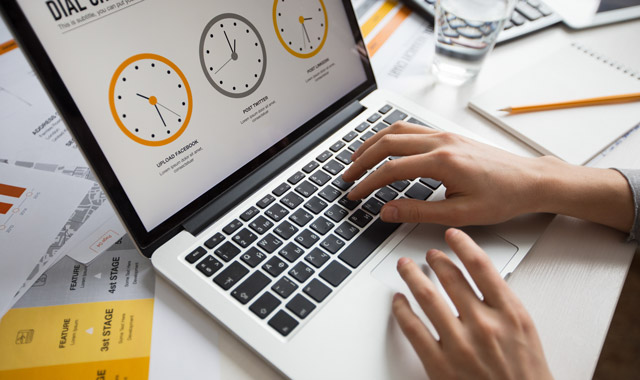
<point x="179" y="95"/>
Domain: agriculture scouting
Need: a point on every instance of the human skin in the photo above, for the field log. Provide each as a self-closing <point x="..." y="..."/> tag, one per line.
<point x="493" y="338"/>
<point x="485" y="185"/>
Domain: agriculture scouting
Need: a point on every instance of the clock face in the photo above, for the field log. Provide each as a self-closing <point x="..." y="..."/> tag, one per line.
<point x="301" y="26"/>
<point x="232" y="55"/>
<point x="150" y="99"/>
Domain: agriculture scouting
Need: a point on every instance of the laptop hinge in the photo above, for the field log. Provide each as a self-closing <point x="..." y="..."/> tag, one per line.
<point x="250" y="184"/>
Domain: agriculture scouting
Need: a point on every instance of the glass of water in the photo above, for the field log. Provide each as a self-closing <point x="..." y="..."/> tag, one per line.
<point x="466" y="31"/>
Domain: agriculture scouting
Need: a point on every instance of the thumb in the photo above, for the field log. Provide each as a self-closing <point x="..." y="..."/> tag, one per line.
<point x="416" y="211"/>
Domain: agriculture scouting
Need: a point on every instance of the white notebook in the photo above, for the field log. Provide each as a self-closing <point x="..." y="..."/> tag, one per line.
<point x="577" y="134"/>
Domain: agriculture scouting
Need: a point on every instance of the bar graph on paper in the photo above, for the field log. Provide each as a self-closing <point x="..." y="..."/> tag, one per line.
<point x="13" y="203"/>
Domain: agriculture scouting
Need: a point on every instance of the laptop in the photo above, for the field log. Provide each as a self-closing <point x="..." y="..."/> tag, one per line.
<point x="219" y="130"/>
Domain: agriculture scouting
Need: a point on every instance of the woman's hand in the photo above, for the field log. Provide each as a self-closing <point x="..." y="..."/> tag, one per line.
<point x="492" y="338"/>
<point x="485" y="185"/>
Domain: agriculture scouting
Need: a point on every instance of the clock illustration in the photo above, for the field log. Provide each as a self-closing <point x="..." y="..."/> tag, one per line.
<point x="150" y="99"/>
<point x="232" y="55"/>
<point x="301" y="26"/>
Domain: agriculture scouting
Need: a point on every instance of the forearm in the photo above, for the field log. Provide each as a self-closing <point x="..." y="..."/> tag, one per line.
<point x="598" y="195"/>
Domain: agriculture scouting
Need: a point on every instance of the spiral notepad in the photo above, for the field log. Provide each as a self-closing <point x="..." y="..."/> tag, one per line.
<point x="575" y="72"/>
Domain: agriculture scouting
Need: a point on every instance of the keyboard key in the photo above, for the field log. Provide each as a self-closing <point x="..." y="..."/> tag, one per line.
<point x="367" y="136"/>
<point x="386" y="108"/>
<point x="278" y="191"/>
<point x="270" y="243"/>
<point x="400" y="185"/>
<point x="306" y="188"/>
<point x="265" y="305"/>
<point x="418" y="191"/>
<point x="336" y="213"/>
<point x="324" y="156"/>
<point x="253" y="257"/>
<point x="291" y="252"/>
<point x="335" y="273"/>
<point x="329" y="193"/>
<point x="274" y="266"/>
<point x="386" y="194"/>
<point x="413" y="120"/>
<point x="250" y="287"/>
<point x="310" y="167"/>
<point x="301" y="217"/>
<point x="307" y="238"/>
<point x="341" y="184"/>
<point x="315" y="205"/>
<point x="284" y="287"/>
<point x="373" y="206"/>
<point x="227" y="251"/>
<point x="317" y="258"/>
<point x="350" y="136"/>
<point x="266" y="201"/>
<point x="261" y="225"/>
<point x="300" y="306"/>
<point x="367" y="242"/>
<point x="231" y="275"/>
<point x="364" y="125"/>
<point x="337" y="146"/>
<point x="285" y="230"/>
<point x="232" y="227"/>
<point x="195" y="255"/>
<point x="432" y="183"/>
<point x="332" y="243"/>
<point x="249" y="214"/>
<point x="244" y="238"/>
<point x="292" y="200"/>
<point x="348" y="203"/>
<point x="528" y="11"/>
<point x="333" y="167"/>
<point x="214" y="240"/>
<point x="380" y="126"/>
<point x="347" y="230"/>
<point x="355" y="145"/>
<point x="344" y="157"/>
<point x="209" y="266"/>
<point x="283" y="323"/>
<point x="276" y="212"/>
<point x="360" y="218"/>
<point x="297" y="177"/>
<point x="317" y="290"/>
<point x="373" y="118"/>
<point x="320" y="178"/>
<point x="301" y="272"/>
<point x="394" y="116"/>
<point x="322" y="225"/>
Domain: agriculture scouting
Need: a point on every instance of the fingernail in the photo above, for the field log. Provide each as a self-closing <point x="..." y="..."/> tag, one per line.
<point x="430" y="253"/>
<point x="453" y="231"/>
<point x="402" y="261"/>
<point x="389" y="213"/>
<point x="397" y="297"/>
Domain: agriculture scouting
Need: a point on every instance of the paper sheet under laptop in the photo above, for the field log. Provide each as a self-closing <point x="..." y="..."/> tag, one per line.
<point x="575" y="135"/>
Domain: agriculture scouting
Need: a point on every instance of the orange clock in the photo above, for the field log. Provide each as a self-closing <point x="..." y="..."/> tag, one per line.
<point x="150" y="99"/>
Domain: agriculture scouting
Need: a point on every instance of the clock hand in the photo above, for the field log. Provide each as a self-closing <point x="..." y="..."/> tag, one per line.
<point x="308" y="18"/>
<point x="234" y="46"/>
<point x="304" y="28"/>
<point x="163" y="106"/>
<point x="225" y="34"/>
<point x="159" y="114"/>
<point x="142" y="96"/>
<point x="304" y="42"/>
<point x="223" y="65"/>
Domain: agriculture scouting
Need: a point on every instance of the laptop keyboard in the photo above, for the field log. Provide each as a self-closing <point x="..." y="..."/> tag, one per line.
<point x="284" y="256"/>
<point x="528" y="16"/>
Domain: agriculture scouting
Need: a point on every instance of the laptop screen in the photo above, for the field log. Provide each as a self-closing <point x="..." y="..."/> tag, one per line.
<point x="180" y="95"/>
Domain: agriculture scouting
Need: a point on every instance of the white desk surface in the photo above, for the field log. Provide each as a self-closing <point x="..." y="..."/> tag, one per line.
<point x="570" y="281"/>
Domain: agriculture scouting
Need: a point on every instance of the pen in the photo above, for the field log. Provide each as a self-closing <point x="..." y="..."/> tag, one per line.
<point x="575" y="103"/>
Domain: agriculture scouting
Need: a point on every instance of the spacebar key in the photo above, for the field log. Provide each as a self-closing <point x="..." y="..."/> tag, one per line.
<point x="366" y="243"/>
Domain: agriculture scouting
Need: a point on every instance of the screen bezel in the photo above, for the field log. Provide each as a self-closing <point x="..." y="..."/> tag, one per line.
<point x="77" y="125"/>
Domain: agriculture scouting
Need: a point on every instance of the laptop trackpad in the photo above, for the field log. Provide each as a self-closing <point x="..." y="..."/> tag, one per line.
<point x="426" y="236"/>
